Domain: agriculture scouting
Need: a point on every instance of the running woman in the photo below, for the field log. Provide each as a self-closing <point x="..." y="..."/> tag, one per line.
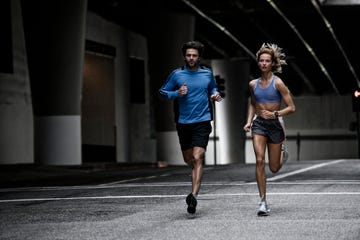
<point x="265" y="116"/>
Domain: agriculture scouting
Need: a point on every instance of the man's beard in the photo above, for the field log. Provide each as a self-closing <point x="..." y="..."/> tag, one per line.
<point x="192" y="64"/>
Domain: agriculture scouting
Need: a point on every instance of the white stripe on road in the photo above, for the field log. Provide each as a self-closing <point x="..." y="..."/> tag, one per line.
<point x="280" y="176"/>
<point x="170" y="196"/>
<point x="176" y="184"/>
<point x="302" y="170"/>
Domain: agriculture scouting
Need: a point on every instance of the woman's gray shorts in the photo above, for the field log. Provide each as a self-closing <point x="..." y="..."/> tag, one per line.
<point x="269" y="128"/>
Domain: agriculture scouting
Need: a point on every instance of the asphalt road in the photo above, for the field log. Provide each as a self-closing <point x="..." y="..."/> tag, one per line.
<point x="308" y="200"/>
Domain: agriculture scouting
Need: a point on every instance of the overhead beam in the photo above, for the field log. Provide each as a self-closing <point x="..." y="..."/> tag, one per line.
<point x="331" y="30"/>
<point x="222" y="28"/>
<point x="306" y="44"/>
<point x="339" y="2"/>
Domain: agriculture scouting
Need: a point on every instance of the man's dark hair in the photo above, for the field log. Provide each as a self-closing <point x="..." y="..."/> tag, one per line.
<point x="195" y="45"/>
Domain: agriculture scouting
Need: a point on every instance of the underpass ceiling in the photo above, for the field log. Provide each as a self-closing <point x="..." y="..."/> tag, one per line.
<point x="320" y="40"/>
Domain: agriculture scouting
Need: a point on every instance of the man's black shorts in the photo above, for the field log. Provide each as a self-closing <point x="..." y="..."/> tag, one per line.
<point x="270" y="128"/>
<point x="194" y="135"/>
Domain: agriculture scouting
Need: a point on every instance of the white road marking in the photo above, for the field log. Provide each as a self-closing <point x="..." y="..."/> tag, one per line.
<point x="176" y="184"/>
<point x="169" y="196"/>
<point x="303" y="170"/>
<point x="181" y="184"/>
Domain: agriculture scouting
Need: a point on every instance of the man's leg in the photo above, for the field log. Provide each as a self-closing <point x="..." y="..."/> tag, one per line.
<point x="194" y="158"/>
<point x="197" y="171"/>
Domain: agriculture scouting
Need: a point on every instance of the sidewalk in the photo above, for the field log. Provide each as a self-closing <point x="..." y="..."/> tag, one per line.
<point x="32" y="175"/>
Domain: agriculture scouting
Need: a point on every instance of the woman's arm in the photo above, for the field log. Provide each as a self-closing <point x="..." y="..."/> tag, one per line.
<point x="251" y="108"/>
<point x="286" y="96"/>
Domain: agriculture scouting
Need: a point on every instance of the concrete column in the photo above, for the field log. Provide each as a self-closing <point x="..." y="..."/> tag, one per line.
<point x="230" y="115"/>
<point x="166" y="37"/>
<point x="55" y="38"/>
<point x="16" y="121"/>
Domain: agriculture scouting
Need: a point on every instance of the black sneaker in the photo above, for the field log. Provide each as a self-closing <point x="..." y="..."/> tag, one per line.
<point x="191" y="202"/>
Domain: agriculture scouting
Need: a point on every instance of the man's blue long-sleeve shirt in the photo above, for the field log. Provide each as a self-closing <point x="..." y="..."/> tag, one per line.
<point x="194" y="107"/>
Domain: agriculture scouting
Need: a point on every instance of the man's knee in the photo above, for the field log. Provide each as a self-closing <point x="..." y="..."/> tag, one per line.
<point x="198" y="160"/>
<point x="189" y="161"/>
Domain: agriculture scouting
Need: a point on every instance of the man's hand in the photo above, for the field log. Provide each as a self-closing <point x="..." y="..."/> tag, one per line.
<point x="183" y="90"/>
<point x="216" y="97"/>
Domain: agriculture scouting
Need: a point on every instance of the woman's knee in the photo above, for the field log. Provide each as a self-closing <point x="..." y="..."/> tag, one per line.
<point x="260" y="162"/>
<point x="274" y="169"/>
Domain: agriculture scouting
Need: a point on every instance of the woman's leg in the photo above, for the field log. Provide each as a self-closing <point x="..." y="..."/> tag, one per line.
<point x="275" y="158"/>
<point x="259" y="144"/>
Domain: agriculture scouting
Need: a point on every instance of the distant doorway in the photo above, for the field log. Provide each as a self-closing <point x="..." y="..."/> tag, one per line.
<point x="98" y="109"/>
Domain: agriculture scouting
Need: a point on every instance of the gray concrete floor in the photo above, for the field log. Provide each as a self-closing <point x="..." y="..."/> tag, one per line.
<point x="308" y="200"/>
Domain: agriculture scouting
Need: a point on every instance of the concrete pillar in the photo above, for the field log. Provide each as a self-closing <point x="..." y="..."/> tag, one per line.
<point x="16" y="121"/>
<point x="55" y="38"/>
<point x="230" y="115"/>
<point x="168" y="33"/>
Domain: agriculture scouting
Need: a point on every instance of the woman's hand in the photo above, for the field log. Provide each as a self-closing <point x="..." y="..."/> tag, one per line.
<point x="247" y="127"/>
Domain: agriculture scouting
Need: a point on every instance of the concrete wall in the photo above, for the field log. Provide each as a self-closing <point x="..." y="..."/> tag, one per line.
<point x="143" y="140"/>
<point x="134" y="141"/>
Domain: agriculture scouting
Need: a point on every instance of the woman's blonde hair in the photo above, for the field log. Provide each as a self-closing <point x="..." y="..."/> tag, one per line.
<point x="276" y="55"/>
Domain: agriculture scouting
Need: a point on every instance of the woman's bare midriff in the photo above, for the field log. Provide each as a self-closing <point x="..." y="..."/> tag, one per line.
<point x="271" y="107"/>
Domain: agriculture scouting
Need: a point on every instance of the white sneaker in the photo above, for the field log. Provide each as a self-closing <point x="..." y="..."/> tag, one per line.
<point x="263" y="209"/>
<point x="284" y="153"/>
